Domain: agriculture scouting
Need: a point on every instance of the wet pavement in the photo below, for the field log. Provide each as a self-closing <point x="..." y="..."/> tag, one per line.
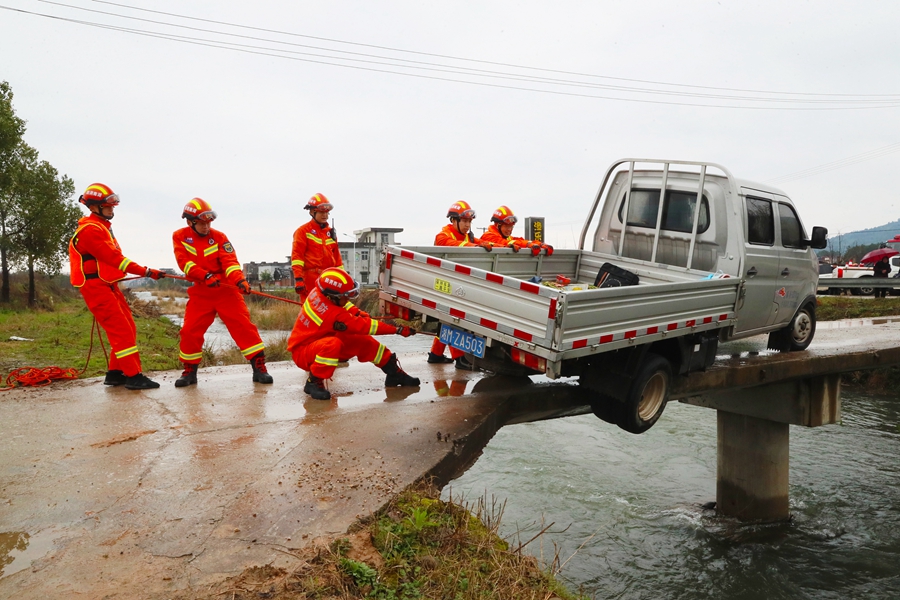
<point x="112" y="493"/>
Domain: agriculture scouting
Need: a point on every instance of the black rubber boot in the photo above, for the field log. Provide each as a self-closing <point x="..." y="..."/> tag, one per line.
<point x="438" y="359"/>
<point x="188" y="376"/>
<point x="115" y="377"/>
<point x="463" y="364"/>
<point x="140" y="382"/>
<point x="260" y="373"/>
<point x="315" y="387"/>
<point x="397" y="376"/>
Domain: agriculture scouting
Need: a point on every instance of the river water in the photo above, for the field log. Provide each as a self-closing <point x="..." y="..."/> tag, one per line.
<point x="627" y="509"/>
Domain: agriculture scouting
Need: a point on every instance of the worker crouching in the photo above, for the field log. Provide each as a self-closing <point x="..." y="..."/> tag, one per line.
<point x="330" y="329"/>
<point x="209" y="261"/>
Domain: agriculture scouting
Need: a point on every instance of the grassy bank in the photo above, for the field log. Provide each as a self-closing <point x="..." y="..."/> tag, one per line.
<point x="418" y="547"/>
<point x="835" y="308"/>
<point x="61" y="337"/>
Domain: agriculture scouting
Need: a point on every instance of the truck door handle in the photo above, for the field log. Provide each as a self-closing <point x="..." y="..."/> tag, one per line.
<point x="786" y="272"/>
<point x="752" y="272"/>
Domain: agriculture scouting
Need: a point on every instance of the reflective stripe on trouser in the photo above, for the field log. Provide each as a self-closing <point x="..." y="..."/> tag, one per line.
<point x="108" y="305"/>
<point x="204" y="303"/>
<point x="322" y="356"/>
<point x="437" y="347"/>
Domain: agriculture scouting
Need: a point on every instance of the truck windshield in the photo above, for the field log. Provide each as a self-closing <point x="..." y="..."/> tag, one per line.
<point x="678" y="210"/>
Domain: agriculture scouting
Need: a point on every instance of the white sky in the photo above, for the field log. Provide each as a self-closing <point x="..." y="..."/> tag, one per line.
<point x="162" y="121"/>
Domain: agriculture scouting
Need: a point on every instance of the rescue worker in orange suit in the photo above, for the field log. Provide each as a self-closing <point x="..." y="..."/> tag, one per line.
<point x="96" y="265"/>
<point x="209" y="261"/>
<point x="330" y="329"/>
<point x="457" y="233"/>
<point x="500" y="234"/>
<point x="315" y="246"/>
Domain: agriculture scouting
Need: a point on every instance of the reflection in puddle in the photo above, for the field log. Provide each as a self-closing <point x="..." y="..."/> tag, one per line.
<point x="848" y="323"/>
<point x="18" y="550"/>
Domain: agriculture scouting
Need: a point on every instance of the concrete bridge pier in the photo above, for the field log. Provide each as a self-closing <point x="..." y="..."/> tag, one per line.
<point x="754" y="441"/>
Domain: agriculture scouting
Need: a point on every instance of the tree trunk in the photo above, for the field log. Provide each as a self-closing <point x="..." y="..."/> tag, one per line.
<point x="4" y="267"/>
<point x="32" y="296"/>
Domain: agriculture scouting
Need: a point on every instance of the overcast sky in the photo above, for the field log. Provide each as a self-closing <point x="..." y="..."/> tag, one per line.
<point x="256" y="133"/>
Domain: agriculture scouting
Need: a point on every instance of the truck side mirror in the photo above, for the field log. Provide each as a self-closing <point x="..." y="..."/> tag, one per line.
<point x="818" y="240"/>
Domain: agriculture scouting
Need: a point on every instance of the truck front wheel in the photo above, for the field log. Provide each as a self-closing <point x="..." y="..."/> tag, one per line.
<point x="798" y="335"/>
<point x="647" y="395"/>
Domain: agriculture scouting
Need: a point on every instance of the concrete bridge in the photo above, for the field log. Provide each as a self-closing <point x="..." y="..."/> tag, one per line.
<point x="106" y="492"/>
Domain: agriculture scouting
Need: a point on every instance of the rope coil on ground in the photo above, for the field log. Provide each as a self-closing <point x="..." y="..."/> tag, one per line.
<point x="39" y="377"/>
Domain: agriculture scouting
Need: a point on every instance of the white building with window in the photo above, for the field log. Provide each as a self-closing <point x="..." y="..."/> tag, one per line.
<point x="362" y="256"/>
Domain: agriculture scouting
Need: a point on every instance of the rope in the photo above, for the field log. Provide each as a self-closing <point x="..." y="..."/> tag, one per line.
<point x="39" y="377"/>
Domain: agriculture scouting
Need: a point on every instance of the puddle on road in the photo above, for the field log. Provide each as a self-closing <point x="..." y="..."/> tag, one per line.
<point x="18" y="550"/>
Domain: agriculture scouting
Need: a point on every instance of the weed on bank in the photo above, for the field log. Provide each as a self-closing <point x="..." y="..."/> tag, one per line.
<point x="418" y="547"/>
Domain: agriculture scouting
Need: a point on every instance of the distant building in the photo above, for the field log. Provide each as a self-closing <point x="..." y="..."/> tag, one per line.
<point x="361" y="259"/>
<point x="273" y="273"/>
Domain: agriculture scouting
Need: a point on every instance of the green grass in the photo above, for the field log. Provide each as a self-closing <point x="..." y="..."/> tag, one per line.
<point x="418" y="547"/>
<point x="62" y="337"/>
<point x="835" y="308"/>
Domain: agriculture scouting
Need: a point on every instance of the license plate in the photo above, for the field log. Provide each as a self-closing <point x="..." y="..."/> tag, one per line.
<point x="462" y="340"/>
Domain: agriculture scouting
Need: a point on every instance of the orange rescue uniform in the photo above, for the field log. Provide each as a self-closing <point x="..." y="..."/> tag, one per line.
<point x="494" y="236"/>
<point x="450" y="236"/>
<point x="198" y="256"/>
<point x="315" y="249"/>
<point x="326" y="334"/>
<point x="96" y="265"/>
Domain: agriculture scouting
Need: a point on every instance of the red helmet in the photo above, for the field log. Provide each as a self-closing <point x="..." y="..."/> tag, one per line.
<point x="198" y="209"/>
<point x="98" y="194"/>
<point x="461" y="210"/>
<point x="318" y="203"/>
<point x="337" y="284"/>
<point x="504" y="215"/>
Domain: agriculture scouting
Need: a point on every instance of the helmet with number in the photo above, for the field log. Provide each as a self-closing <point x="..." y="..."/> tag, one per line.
<point x="198" y="209"/>
<point x="461" y="210"/>
<point x="337" y="284"/>
<point x="504" y="215"/>
<point x="318" y="203"/>
<point x="98" y="194"/>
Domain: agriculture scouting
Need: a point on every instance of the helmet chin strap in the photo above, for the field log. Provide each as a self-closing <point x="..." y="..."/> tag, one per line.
<point x="457" y="226"/>
<point x="193" y="223"/>
<point x="99" y="212"/>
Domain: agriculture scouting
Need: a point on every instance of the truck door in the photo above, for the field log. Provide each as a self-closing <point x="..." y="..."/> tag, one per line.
<point x="761" y="268"/>
<point x="795" y="267"/>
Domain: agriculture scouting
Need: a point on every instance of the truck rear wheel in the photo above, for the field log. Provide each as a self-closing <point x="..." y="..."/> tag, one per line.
<point x="647" y="395"/>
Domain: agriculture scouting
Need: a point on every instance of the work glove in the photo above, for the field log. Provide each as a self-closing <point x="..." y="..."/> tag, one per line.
<point x="548" y="249"/>
<point x="535" y="249"/>
<point x="300" y="289"/>
<point x="211" y="280"/>
<point x="244" y="287"/>
<point x="514" y="246"/>
<point x="405" y="331"/>
<point x="487" y="246"/>
<point x="154" y="273"/>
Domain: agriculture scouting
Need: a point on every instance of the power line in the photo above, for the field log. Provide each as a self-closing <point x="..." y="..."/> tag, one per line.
<point x="449" y="69"/>
<point x="337" y="41"/>
<point x="838" y="164"/>
<point x="454" y="69"/>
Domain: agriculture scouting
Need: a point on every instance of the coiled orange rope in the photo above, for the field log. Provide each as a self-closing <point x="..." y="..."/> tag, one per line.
<point x="37" y="377"/>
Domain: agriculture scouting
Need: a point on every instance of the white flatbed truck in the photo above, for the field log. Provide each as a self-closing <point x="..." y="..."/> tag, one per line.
<point x="735" y="264"/>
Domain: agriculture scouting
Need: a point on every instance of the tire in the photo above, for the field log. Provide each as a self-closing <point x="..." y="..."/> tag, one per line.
<point x="647" y="395"/>
<point x="606" y="409"/>
<point x="864" y="291"/>
<point x="799" y="333"/>
<point x="802" y="328"/>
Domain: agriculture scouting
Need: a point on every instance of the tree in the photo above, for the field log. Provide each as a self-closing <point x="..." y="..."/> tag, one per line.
<point x="47" y="216"/>
<point x="12" y="128"/>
